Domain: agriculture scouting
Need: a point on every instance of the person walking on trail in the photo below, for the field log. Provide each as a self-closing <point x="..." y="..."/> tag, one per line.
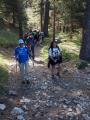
<point x="34" y="33"/>
<point x="41" y="37"/>
<point x="22" y="55"/>
<point x="25" y="37"/>
<point x="55" y="58"/>
<point x="37" y="38"/>
<point x="31" y="45"/>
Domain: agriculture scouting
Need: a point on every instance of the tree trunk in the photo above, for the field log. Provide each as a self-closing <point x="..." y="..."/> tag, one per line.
<point x="41" y="14"/>
<point x="54" y="23"/>
<point x="13" y="17"/>
<point x="46" y="18"/>
<point x="19" y="18"/>
<point x="20" y="28"/>
<point x="85" y="48"/>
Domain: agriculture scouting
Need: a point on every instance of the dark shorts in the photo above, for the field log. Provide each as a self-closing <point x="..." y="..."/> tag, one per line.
<point x="58" y="61"/>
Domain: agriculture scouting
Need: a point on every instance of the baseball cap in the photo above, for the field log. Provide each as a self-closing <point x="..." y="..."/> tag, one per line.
<point x="21" y="41"/>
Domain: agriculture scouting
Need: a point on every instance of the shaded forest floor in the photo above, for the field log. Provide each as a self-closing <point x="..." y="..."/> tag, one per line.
<point x="65" y="98"/>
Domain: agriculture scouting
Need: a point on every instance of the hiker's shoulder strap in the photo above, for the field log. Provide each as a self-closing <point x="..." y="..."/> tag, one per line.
<point x="59" y="49"/>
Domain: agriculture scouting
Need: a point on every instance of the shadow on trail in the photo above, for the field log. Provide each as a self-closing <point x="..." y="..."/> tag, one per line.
<point x="6" y="53"/>
<point x="43" y="98"/>
<point x="3" y="80"/>
<point x="39" y="62"/>
<point x="58" y="99"/>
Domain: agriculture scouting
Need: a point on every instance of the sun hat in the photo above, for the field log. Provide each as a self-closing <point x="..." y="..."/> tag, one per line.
<point x="21" y="41"/>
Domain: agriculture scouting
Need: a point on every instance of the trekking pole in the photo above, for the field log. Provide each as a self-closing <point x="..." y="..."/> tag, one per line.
<point x="33" y="62"/>
<point x="16" y="67"/>
<point x="33" y="57"/>
<point x="15" y="64"/>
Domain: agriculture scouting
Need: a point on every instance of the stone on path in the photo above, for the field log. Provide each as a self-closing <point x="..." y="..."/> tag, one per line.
<point x="20" y="117"/>
<point x="2" y="106"/>
<point x="17" y="111"/>
<point x="24" y="107"/>
<point x="24" y="100"/>
<point x="86" y="117"/>
<point x="12" y="92"/>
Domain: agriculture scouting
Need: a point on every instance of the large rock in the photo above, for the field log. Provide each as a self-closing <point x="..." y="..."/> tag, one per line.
<point x="86" y="117"/>
<point x="20" y="117"/>
<point x="12" y="92"/>
<point x="17" y="111"/>
<point x="24" y="100"/>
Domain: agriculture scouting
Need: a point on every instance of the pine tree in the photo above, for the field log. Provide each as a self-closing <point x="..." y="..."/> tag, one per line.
<point x="85" y="47"/>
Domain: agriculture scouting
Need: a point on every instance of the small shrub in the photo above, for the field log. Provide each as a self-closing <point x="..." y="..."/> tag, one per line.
<point x="81" y="64"/>
<point x="66" y="55"/>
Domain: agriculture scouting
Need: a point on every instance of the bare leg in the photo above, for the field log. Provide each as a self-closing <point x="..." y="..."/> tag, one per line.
<point x="22" y="70"/>
<point x="58" y="70"/>
<point x="26" y="69"/>
<point x="53" y="70"/>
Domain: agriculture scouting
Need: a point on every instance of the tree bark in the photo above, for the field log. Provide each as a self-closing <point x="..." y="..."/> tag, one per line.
<point x="20" y="28"/>
<point x="41" y="14"/>
<point x="54" y="23"/>
<point x="19" y="18"/>
<point x="13" y="17"/>
<point x="46" y="17"/>
<point x="85" y="47"/>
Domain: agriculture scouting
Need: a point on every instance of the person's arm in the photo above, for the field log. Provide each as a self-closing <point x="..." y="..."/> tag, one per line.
<point x="29" y="52"/>
<point x="59" y="51"/>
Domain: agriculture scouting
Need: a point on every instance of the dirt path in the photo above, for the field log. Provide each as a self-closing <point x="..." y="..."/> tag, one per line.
<point x="66" y="98"/>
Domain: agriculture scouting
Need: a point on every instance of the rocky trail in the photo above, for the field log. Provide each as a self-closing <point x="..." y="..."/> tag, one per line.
<point x="65" y="98"/>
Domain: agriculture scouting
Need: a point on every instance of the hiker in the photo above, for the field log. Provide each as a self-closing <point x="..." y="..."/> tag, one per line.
<point x="37" y="38"/>
<point x="22" y="55"/>
<point x="41" y="37"/>
<point x="31" y="45"/>
<point x="55" y="58"/>
<point x="25" y="37"/>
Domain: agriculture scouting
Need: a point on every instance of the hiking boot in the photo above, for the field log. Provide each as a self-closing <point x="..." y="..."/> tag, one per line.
<point x="28" y="82"/>
<point x="53" y="77"/>
<point x="58" y="75"/>
<point x="23" y="82"/>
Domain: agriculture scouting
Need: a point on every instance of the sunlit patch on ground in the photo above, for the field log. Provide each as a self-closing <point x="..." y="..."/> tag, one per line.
<point x="71" y="47"/>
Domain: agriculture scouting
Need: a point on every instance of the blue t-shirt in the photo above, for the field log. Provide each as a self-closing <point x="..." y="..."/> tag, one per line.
<point x="31" y="41"/>
<point x="22" y="54"/>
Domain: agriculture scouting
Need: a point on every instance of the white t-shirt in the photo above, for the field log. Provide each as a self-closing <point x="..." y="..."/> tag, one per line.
<point x="54" y="52"/>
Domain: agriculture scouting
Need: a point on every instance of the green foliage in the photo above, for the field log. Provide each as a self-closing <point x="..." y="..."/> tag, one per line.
<point x="8" y="39"/>
<point x="81" y="64"/>
<point x="67" y="56"/>
<point x="76" y="37"/>
<point x="3" y="75"/>
<point x="3" y="79"/>
<point x="44" y="53"/>
<point x="73" y="10"/>
<point x="13" y="13"/>
<point x="3" y="90"/>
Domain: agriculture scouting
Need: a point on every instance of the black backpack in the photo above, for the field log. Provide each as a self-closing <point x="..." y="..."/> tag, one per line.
<point x="60" y="57"/>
